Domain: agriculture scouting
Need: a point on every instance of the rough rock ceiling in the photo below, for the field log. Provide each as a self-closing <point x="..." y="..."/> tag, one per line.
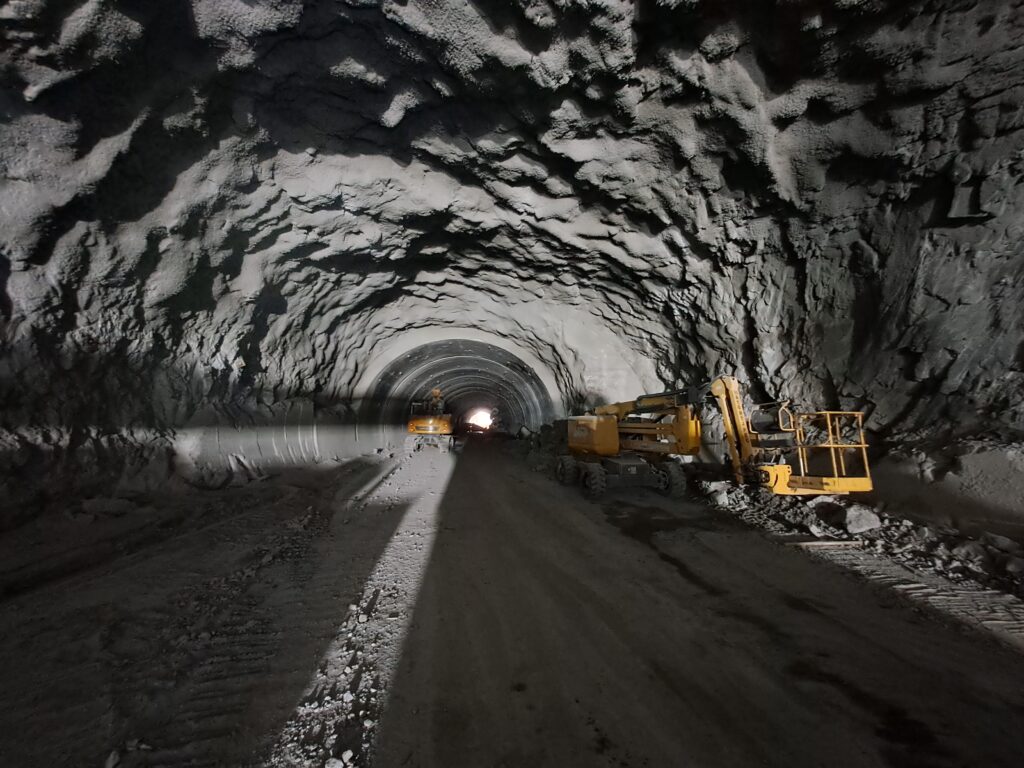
<point x="248" y="201"/>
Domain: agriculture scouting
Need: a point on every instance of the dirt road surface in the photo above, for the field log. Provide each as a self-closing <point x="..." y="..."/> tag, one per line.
<point x="462" y="610"/>
<point x="552" y="631"/>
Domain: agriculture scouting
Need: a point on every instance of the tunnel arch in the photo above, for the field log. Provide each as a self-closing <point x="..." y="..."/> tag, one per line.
<point x="471" y="374"/>
<point x="545" y="363"/>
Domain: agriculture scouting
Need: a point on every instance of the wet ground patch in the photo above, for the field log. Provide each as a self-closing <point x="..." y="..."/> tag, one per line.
<point x="641" y="523"/>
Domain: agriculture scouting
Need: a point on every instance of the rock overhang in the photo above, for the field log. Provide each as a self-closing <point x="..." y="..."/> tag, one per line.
<point x="248" y="203"/>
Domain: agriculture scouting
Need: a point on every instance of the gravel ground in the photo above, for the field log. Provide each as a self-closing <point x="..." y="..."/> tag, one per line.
<point x="465" y="610"/>
<point x="640" y="632"/>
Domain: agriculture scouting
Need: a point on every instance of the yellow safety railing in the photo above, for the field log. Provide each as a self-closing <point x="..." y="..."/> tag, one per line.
<point x="844" y="432"/>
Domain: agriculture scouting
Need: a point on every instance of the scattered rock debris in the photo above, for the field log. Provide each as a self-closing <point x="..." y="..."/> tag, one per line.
<point x="989" y="560"/>
<point x="335" y="723"/>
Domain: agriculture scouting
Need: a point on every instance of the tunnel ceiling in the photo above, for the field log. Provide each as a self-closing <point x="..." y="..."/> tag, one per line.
<point x="227" y="200"/>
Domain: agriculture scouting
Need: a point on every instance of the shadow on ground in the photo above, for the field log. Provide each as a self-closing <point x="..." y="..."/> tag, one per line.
<point x="551" y="631"/>
<point x="194" y="632"/>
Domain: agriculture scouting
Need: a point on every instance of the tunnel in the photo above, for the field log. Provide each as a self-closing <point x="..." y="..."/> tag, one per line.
<point x="262" y="262"/>
<point x="471" y="375"/>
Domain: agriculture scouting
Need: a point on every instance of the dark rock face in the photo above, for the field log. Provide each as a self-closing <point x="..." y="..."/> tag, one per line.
<point x="246" y="202"/>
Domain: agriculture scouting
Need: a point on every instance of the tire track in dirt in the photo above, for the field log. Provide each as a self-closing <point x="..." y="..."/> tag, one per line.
<point x="194" y="650"/>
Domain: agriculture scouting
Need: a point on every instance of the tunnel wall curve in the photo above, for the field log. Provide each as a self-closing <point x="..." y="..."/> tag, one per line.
<point x="471" y="375"/>
<point x="388" y="351"/>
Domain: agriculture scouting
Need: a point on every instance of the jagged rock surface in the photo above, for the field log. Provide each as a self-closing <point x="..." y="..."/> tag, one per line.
<point x="221" y="201"/>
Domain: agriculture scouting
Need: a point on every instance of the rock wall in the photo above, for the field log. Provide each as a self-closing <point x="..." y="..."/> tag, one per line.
<point x="228" y="202"/>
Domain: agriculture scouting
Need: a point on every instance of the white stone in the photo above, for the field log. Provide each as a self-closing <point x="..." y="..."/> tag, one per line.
<point x="861" y="518"/>
<point x="971" y="550"/>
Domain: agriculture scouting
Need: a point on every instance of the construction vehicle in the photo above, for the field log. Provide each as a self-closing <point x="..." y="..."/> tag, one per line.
<point x="631" y="444"/>
<point x="789" y="453"/>
<point x="827" y="449"/>
<point x="429" y="424"/>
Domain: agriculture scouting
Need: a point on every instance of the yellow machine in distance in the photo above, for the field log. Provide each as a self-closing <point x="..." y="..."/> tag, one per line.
<point x="790" y="453"/>
<point x="429" y="424"/>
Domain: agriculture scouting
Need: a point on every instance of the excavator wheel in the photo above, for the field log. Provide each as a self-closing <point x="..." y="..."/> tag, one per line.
<point x="676" y="480"/>
<point x="567" y="470"/>
<point x="662" y="482"/>
<point x="595" y="481"/>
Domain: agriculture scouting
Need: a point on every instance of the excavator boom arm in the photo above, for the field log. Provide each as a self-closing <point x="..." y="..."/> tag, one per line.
<point x="750" y="450"/>
<point x="726" y="391"/>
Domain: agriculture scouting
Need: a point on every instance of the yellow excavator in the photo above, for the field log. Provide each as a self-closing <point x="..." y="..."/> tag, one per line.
<point x="429" y="424"/>
<point x="788" y="452"/>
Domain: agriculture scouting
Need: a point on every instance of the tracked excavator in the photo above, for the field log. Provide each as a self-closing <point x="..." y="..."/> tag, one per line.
<point x="429" y="424"/>
<point x="788" y="452"/>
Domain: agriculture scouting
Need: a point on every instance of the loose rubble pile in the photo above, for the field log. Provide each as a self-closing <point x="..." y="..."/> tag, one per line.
<point x="990" y="559"/>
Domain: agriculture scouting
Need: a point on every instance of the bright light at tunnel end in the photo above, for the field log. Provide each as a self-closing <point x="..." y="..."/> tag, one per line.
<point x="480" y="419"/>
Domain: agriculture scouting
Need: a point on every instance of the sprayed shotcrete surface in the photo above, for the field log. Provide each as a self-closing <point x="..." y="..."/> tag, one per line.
<point x="460" y="609"/>
<point x="209" y="209"/>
